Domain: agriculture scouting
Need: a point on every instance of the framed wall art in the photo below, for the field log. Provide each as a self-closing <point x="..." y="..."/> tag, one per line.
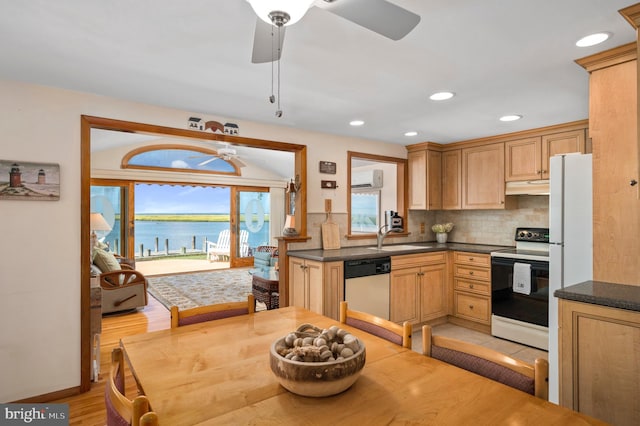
<point x="24" y="180"/>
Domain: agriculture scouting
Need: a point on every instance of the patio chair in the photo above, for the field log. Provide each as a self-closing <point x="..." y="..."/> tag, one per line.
<point x="395" y="333"/>
<point x="532" y="379"/>
<point x="120" y="409"/>
<point x="211" y="312"/>
<point x="223" y="246"/>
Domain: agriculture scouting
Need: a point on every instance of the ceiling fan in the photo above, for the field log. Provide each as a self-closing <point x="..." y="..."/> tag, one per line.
<point x="225" y="153"/>
<point x="379" y="16"/>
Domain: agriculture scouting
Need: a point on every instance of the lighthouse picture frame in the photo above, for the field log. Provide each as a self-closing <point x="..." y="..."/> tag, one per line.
<point x="29" y="181"/>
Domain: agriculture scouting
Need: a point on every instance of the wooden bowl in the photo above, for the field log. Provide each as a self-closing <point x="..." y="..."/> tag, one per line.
<point x="316" y="379"/>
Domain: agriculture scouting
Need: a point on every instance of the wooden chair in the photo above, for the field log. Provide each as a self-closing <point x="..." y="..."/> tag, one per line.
<point x="120" y="409"/>
<point x="395" y="333"/>
<point x="211" y="312"/>
<point x="533" y="379"/>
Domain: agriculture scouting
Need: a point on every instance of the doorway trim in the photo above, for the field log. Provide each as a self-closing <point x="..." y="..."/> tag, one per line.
<point x="90" y="122"/>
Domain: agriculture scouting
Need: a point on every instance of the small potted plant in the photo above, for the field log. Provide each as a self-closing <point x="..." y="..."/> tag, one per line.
<point x="441" y="230"/>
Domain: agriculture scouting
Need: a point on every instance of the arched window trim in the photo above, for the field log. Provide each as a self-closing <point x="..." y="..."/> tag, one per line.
<point x="162" y="147"/>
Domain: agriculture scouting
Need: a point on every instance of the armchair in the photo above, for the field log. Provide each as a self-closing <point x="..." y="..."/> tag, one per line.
<point x="123" y="288"/>
<point x="265" y="257"/>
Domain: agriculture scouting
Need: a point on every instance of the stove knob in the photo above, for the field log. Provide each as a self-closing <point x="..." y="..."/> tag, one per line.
<point x="521" y="234"/>
<point x="529" y="234"/>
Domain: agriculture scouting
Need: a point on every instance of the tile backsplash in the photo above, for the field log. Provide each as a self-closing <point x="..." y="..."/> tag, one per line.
<point x="497" y="226"/>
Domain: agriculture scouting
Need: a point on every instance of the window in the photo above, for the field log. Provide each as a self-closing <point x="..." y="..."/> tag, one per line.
<point x="180" y="158"/>
<point x="375" y="184"/>
<point x="365" y="211"/>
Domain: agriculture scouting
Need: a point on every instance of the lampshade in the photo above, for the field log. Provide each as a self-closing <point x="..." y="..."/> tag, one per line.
<point x="290" y="226"/>
<point x="294" y="8"/>
<point x="98" y="223"/>
<point x="290" y="222"/>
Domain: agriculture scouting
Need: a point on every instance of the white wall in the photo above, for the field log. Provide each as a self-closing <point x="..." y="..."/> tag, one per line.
<point x="40" y="241"/>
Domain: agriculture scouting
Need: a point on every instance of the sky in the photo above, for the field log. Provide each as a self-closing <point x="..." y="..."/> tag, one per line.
<point x="153" y="198"/>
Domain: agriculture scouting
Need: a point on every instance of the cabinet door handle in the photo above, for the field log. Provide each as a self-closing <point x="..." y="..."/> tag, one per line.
<point x="470" y="306"/>
<point x="470" y="272"/>
<point x="470" y="285"/>
<point x="471" y="259"/>
<point x="633" y="182"/>
<point x="539" y="172"/>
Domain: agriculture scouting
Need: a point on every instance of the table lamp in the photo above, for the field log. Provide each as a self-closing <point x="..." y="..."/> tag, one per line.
<point x="98" y="223"/>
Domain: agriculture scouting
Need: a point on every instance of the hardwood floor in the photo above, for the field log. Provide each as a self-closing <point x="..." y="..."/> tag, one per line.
<point x="88" y="409"/>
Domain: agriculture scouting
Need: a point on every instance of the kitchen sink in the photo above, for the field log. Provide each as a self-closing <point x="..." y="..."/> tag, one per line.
<point x="400" y="247"/>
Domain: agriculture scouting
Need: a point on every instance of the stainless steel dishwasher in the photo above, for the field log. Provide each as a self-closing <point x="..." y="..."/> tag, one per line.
<point x="366" y="285"/>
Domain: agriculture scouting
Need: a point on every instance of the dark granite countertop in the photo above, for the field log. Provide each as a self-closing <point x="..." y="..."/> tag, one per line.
<point x="370" y="252"/>
<point x="602" y="293"/>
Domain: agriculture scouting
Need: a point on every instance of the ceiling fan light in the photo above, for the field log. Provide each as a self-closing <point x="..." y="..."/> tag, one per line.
<point x="294" y="8"/>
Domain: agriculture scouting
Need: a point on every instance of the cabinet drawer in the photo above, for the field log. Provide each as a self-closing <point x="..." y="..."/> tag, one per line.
<point x="480" y="287"/>
<point x="418" y="259"/>
<point x="472" y="307"/>
<point x="472" y="258"/>
<point x="463" y="271"/>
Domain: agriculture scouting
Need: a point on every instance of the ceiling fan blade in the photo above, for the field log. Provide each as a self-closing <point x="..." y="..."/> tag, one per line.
<point x="380" y="16"/>
<point x="262" y="43"/>
<point x="205" y="162"/>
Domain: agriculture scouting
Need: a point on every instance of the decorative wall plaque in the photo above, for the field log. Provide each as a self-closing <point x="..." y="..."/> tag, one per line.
<point x="328" y="167"/>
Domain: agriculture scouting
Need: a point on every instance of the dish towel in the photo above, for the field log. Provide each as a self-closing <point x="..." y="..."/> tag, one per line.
<point x="522" y="278"/>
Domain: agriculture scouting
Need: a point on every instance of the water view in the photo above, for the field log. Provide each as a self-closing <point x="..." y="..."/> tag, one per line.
<point x="181" y="234"/>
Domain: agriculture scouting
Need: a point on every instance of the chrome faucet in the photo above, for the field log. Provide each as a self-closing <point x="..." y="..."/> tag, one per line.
<point x="382" y="234"/>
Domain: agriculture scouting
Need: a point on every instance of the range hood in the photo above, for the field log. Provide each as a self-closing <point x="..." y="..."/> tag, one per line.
<point x="528" y="187"/>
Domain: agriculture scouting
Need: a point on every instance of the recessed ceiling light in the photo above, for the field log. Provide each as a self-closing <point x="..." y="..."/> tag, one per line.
<point x="512" y="117"/>
<point x="442" y="96"/>
<point x="356" y="123"/>
<point x="592" y="39"/>
<point x="412" y="133"/>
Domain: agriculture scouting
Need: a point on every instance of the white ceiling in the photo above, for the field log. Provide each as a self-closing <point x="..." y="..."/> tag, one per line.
<point x="499" y="57"/>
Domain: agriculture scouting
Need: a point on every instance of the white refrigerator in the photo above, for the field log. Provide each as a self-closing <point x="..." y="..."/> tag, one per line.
<point x="570" y="240"/>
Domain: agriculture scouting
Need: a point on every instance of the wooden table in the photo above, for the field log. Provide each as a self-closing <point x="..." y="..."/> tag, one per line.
<point x="218" y="373"/>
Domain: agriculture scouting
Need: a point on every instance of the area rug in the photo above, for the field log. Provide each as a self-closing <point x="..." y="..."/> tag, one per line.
<point x="203" y="288"/>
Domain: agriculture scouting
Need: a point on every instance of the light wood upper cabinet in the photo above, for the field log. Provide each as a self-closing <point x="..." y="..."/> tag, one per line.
<point x="613" y="127"/>
<point x="523" y="159"/>
<point x="561" y="143"/>
<point x="451" y="180"/>
<point x="528" y="159"/>
<point x="483" y="177"/>
<point x="425" y="184"/>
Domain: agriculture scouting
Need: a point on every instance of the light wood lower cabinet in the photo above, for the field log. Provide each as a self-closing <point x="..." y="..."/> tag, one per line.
<point x="472" y="287"/>
<point x="600" y="361"/>
<point x="317" y="286"/>
<point x="418" y="287"/>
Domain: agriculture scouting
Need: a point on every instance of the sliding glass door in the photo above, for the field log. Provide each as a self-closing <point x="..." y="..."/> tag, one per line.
<point x="111" y="200"/>
<point x="250" y="222"/>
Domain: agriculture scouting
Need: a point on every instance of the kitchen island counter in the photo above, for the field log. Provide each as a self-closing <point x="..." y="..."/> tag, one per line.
<point x="601" y="293"/>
